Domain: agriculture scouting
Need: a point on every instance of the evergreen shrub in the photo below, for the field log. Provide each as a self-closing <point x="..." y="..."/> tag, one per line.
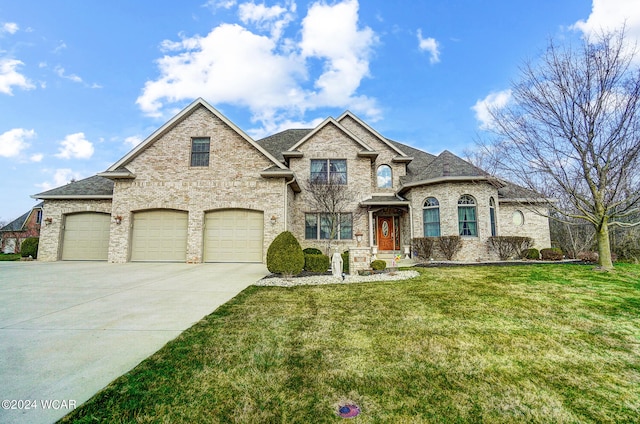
<point x="284" y="255"/>
<point x="29" y="247"/>
<point x="317" y="263"/>
<point x="378" y="265"/>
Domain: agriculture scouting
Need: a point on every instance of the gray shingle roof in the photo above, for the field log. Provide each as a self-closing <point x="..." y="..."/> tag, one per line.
<point x="18" y="223"/>
<point x="89" y="187"/>
<point x="282" y="141"/>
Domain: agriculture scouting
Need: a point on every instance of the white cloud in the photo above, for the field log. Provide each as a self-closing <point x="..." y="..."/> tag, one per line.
<point x="492" y="101"/>
<point x="220" y="4"/>
<point x="61" y="176"/>
<point x="272" y="19"/>
<point x="133" y="141"/>
<point x="271" y="75"/>
<point x="59" y="70"/>
<point x="609" y="15"/>
<point x="429" y="45"/>
<point x="36" y="157"/>
<point x="10" y="77"/>
<point x="14" y="141"/>
<point x="9" y="27"/>
<point x="75" y="146"/>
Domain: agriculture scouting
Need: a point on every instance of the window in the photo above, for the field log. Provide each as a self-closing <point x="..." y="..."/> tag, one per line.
<point x="39" y="216"/>
<point x="324" y="171"/>
<point x="384" y="177"/>
<point x="517" y="218"/>
<point x="467" y="223"/>
<point x="431" y="217"/>
<point x="318" y="226"/>
<point x="492" y="216"/>
<point x="200" y="151"/>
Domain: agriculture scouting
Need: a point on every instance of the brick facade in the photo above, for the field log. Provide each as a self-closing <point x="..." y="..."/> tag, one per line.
<point x="242" y="174"/>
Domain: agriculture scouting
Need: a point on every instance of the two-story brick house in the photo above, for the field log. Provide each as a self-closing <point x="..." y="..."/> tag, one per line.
<point x="199" y="189"/>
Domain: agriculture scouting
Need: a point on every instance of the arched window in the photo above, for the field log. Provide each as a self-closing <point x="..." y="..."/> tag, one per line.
<point x="492" y="217"/>
<point x="431" y="217"/>
<point x="384" y="177"/>
<point x="467" y="221"/>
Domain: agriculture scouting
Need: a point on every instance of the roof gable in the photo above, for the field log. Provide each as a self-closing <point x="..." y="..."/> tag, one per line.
<point x="181" y="116"/>
<point x="19" y="223"/>
<point x="324" y="124"/>
<point x="348" y="115"/>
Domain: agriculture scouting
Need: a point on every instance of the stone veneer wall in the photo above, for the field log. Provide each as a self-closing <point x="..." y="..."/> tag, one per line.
<point x="473" y="248"/>
<point x="49" y="248"/>
<point x="536" y="225"/>
<point x="331" y="143"/>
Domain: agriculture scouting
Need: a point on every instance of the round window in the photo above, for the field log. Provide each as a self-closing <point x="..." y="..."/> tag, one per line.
<point x="517" y="218"/>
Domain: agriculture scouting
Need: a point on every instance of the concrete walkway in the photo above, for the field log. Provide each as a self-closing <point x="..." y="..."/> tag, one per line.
<point x="67" y="329"/>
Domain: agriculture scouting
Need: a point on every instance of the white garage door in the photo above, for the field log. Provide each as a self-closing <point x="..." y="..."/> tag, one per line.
<point x="159" y="235"/>
<point x="86" y="237"/>
<point x="233" y="235"/>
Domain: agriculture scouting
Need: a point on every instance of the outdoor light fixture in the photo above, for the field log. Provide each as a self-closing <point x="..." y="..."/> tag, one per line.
<point x="274" y="219"/>
<point x="48" y="221"/>
<point x="118" y="219"/>
<point x="359" y="238"/>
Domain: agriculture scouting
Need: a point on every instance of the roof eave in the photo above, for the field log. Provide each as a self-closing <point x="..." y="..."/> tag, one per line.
<point x="402" y="159"/>
<point x="490" y="180"/>
<point x="117" y="175"/>
<point x="72" y="196"/>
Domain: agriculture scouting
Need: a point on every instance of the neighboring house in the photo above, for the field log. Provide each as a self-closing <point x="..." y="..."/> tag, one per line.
<point x="199" y="189"/>
<point x="28" y="225"/>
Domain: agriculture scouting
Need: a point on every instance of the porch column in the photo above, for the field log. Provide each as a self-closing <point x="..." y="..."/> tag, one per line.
<point x="370" y="228"/>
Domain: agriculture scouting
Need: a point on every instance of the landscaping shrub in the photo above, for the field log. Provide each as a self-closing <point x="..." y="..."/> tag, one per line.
<point x="423" y="246"/>
<point x="588" y="256"/>
<point x="312" y="251"/>
<point x="552" y="254"/>
<point x="449" y="245"/>
<point x="378" y="265"/>
<point x="508" y="247"/>
<point x="532" y="253"/>
<point x="29" y="247"/>
<point x="317" y="263"/>
<point x="345" y="261"/>
<point x="284" y="255"/>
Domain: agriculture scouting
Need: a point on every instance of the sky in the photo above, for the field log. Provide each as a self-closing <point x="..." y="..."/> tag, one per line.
<point x="83" y="82"/>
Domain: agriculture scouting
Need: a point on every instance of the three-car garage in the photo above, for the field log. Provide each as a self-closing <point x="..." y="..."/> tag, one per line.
<point x="162" y="235"/>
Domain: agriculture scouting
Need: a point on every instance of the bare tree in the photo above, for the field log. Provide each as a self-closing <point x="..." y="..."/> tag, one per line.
<point x="571" y="130"/>
<point x="332" y="198"/>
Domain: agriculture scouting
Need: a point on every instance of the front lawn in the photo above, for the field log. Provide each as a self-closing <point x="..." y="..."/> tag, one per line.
<point x="538" y="343"/>
<point x="9" y="257"/>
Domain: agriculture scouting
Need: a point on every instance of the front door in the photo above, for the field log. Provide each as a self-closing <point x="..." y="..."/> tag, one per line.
<point x="386" y="233"/>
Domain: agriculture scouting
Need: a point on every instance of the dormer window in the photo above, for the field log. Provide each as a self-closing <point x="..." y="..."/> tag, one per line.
<point x="326" y="171"/>
<point x="200" y="147"/>
<point x="384" y="177"/>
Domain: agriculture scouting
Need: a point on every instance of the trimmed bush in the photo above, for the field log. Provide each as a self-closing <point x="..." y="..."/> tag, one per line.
<point x="552" y="254"/>
<point x="284" y="255"/>
<point x="449" y="245"/>
<point x="317" y="263"/>
<point x="378" y="265"/>
<point x="423" y="246"/>
<point x="345" y="261"/>
<point x="533" y="254"/>
<point x="312" y="251"/>
<point x="29" y="247"/>
<point x="509" y="247"/>
<point x="588" y="256"/>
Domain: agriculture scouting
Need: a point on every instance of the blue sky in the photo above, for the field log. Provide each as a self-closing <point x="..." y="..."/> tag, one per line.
<point x="82" y="82"/>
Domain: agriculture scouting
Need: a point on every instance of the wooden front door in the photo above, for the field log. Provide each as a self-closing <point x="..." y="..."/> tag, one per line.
<point x="386" y="233"/>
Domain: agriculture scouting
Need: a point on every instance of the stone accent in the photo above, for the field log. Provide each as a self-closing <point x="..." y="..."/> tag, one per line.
<point x="359" y="259"/>
<point x="50" y="246"/>
<point x="165" y="180"/>
<point x="536" y="224"/>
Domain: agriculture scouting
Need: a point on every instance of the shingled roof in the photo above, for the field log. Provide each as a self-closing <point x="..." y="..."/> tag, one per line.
<point x="18" y="223"/>
<point x="95" y="187"/>
<point x="282" y="141"/>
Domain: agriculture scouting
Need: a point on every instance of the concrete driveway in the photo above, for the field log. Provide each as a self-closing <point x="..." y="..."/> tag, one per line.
<point x="67" y="329"/>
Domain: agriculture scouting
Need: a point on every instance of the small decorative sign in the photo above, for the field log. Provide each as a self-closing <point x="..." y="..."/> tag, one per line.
<point x="348" y="411"/>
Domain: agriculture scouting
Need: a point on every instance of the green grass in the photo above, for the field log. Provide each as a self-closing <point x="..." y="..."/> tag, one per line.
<point x="9" y="257"/>
<point x="539" y="343"/>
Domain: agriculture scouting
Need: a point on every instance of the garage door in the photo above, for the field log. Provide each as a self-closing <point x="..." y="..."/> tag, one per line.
<point x="86" y="237"/>
<point x="159" y="235"/>
<point x="233" y="235"/>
